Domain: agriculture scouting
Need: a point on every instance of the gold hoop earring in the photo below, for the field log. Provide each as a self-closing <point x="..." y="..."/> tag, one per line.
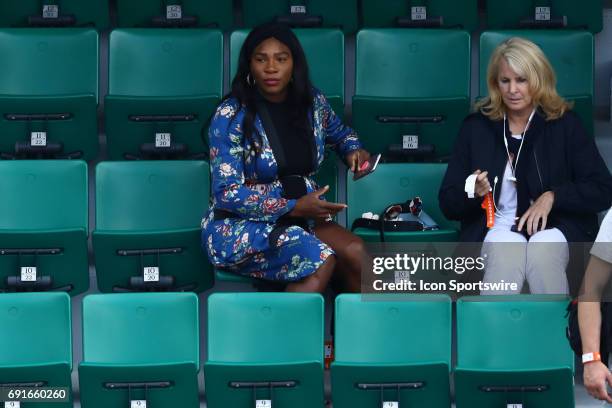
<point x="250" y="81"/>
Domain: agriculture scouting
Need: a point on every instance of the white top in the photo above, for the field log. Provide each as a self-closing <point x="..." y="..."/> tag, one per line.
<point x="507" y="204"/>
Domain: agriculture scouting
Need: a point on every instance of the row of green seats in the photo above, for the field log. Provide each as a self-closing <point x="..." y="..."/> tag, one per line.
<point x="164" y="85"/>
<point x="147" y="215"/>
<point x="147" y="233"/>
<point x="266" y="349"/>
<point x="343" y="14"/>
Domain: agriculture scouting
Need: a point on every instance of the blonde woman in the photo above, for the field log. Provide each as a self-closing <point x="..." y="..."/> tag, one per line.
<point x="525" y="146"/>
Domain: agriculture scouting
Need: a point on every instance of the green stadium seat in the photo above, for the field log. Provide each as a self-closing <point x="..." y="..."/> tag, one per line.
<point x="163" y="87"/>
<point x="54" y="13"/>
<point x="43" y="228"/>
<point x="265" y="346"/>
<point x="36" y="343"/>
<point x="396" y="183"/>
<point x="175" y="13"/>
<point x="140" y="347"/>
<point x="503" y="14"/>
<point x="571" y="55"/>
<point x="303" y="13"/>
<point x="513" y="350"/>
<point x="223" y="276"/>
<point x="438" y="13"/>
<point x="404" y="358"/>
<point x="148" y="216"/>
<point x="412" y="89"/>
<point x="324" y="50"/>
<point x="49" y="93"/>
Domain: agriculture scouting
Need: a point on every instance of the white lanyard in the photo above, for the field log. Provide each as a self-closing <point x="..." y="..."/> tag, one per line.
<point x="513" y="168"/>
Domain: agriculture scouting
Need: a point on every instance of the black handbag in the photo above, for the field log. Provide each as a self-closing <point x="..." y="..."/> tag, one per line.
<point x="400" y="217"/>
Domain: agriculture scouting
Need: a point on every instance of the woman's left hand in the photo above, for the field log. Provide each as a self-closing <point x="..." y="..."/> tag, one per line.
<point x="356" y="158"/>
<point x="537" y="212"/>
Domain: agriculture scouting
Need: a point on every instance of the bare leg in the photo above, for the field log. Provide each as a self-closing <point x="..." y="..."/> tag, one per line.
<point x="317" y="282"/>
<point x="350" y="252"/>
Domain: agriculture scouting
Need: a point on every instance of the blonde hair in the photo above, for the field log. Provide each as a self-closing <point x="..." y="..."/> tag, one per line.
<point x="527" y="60"/>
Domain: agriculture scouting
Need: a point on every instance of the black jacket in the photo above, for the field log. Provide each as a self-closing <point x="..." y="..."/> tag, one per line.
<point x="557" y="155"/>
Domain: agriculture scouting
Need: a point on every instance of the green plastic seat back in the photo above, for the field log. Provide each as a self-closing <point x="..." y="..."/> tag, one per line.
<point x="402" y="339"/>
<point x="580" y="15"/>
<point x="49" y="61"/>
<point x="162" y="72"/>
<point x="141" y="329"/>
<point x="406" y="73"/>
<point x="265" y="328"/>
<point x="335" y="14"/>
<point x="324" y="50"/>
<point x="147" y="205"/>
<point x="45" y="206"/>
<point x="530" y="329"/>
<point x="36" y="329"/>
<point x="43" y="195"/>
<point x="463" y="14"/>
<point x="140" y="338"/>
<point x="571" y="54"/>
<point x="396" y="63"/>
<point x="150" y="195"/>
<point x="403" y="329"/>
<point x="393" y="183"/>
<point x="139" y="13"/>
<point x="50" y="71"/>
<point x="15" y="13"/>
<point x="159" y="62"/>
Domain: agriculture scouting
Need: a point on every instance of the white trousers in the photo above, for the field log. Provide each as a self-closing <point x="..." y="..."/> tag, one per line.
<point x="542" y="260"/>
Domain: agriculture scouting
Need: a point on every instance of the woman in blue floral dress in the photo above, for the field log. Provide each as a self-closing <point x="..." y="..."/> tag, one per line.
<point x="267" y="217"/>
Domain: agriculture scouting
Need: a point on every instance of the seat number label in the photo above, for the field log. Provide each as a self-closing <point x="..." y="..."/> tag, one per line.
<point x="390" y="404"/>
<point x="151" y="274"/>
<point x="28" y="274"/>
<point x="50" y="11"/>
<point x="163" y="139"/>
<point x="38" y="138"/>
<point x="138" y="404"/>
<point x="418" y="13"/>
<point x="542" y="13"/>
<point x="402" y="276"/>
<point x="298" y="9"/>
<point x="174" y="12"/>
<point x="410" y="142"/>
<point x="515" y="406"/>
<point x="12" y="404"/>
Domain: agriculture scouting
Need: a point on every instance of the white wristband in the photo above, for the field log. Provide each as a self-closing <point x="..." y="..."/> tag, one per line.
<point x="589" y="357"/>
<point x="470" y="185"/>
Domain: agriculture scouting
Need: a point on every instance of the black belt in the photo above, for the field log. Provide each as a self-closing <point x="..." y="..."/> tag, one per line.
<point x="223" y="214"/>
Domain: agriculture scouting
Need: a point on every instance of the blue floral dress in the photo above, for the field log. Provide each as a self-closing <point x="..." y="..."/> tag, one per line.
<point x="247" y="185"/>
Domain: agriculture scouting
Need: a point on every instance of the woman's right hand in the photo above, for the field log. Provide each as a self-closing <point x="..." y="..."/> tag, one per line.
<point x="482" y="186"/>
<point x="311" y="206"/>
